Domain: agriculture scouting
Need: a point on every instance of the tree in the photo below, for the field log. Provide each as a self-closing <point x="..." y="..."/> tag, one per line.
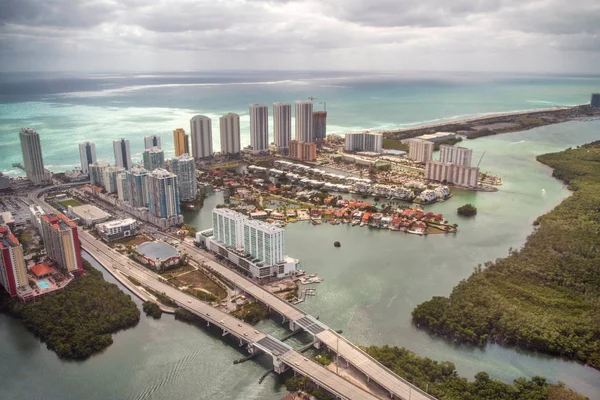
<point x="468" y="210"/>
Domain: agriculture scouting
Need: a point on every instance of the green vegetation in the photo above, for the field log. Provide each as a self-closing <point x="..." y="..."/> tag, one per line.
<point x="468" y="210"/>
<point x="451" y="142"/>
<point x="323" y="358"/>
<point x="133" y="280"/>
<point x="152" y="309"/>
<point x="69" y="202"/>
<point x="393" y="144"/>
<point x="202" y="295"/>
<point x="162" y="297"/>
<point x="251" y="312"/>
<point x="293" y="384"/>
<point x="186" y="316"/>
<point x="441" y="379"/>
<point x="191" y="231"/>
<point x="481" y="133"/>
<point x="545" y="296"/>
<point x="79" y="320"/>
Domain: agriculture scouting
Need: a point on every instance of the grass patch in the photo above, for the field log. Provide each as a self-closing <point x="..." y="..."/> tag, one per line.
<point x="196" y="280"/>
<point x="70" y="202"/>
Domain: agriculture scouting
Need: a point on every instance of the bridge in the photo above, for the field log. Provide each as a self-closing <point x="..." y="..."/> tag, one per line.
<point x="283" y="356"/>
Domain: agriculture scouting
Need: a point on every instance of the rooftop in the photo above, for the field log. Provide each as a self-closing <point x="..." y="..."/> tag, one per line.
<point x="88" y="211"/>
<point x="263" y="226"/>
<point x="117" y="222"/>
<point x="157" y="250"/>
<point x="42" y="269"/>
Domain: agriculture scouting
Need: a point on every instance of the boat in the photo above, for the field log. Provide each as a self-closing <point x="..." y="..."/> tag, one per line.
<point x="362" y="224"/>
<point x="415" y="232"/>
<point x="355" y="223"/>
<point x="315" y="222"/>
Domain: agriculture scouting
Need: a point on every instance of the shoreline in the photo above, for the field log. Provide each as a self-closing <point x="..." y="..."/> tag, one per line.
<point x="495" y="123"/>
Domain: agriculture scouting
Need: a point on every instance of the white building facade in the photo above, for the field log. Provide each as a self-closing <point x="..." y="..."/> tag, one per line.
<point x="163" y="194"/>
<point x="152" y="141"/>
<point x="109" y="178"/>
<point x="154" y="157"/>
<point x="230" y="133"/>
<point x="96" y="171"/>
<point x="184" y="167"/>
<point x="201" y="133"/>
<point x="228" y="227"/>
<point x="420" y="150"/>
<point x="122" y="153"/>
<point x="454" y="174"/>
<point x="282" y="124"/>
<point x="265" y="242"/>
<point x="303" y="121"/>
<point x="364" y="141"/>
<point x="118" y="229"/>
<point x="455" y="155"/>
<point x="33" y="161"/>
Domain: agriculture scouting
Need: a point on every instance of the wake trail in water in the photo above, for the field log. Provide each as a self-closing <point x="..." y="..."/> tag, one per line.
<point x="520" y="141"/>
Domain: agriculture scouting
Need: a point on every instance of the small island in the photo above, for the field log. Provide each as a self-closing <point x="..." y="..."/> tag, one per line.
<point x="336" y="244"/>
<point x="78" y="321"/>
<point x="152" y="309"/>
<point x="468" y="210"/>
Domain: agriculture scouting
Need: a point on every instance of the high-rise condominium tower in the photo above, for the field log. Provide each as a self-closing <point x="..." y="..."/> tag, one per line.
<point x="201" y="132"/>
<point x="304" y="123"/>
<point x="87" y="155"/>
<point x="181" y="141"/>
<point x="184" y="167"/>
<point x="13" y="271"/>
<point x="32" y="157"/>
<point x="163" y="194"/>
<point x="282" y="124"/>
<point x="122" y="153"/>
<point x="230" y="133"/>
<point x="154" y="158"/>
<point x="61" y="240"/>
<point x="152" y="141"/>
<point x="259" y="127"/>
<point x="319" y="126"/>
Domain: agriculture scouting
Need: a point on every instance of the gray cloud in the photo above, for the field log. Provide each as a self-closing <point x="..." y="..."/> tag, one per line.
<point x="348" y="34"/>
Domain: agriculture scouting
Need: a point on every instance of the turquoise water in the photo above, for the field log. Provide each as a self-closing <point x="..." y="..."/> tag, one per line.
<point x="372" y="282"/>
<point x="68" y="110"/>
<point x="43" y="284"/>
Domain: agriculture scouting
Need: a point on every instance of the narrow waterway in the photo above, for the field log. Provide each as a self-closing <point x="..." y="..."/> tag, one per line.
<point x="371" y="285"/>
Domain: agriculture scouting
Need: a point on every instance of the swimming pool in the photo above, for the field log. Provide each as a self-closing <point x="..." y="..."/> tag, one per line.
<point x="43" y="284"/>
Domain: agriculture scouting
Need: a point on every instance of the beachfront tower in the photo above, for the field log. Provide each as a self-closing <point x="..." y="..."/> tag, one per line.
<point x="363" y="141"/>
<point x="184" y="167"/>
<point x="32" y="157"/>
<point x="230" y="133"/>
<point x="259" y="127"/>
<point x="87" y="156"/>
<point x="181" y="142"/>
<point x="154" y="158"/>
<point x="455" y="155"/>
<point x="265" y="242"/>
<point x="152" y="141"/>
<point x="319" y="126"/>
<point x="201" y="133"/>
<point x="595" y="100"/>
<point x="420" y="150"/>
<point x="304" y="123"/>
<point x="122" y="153"/>
<point x="282" y="124"/>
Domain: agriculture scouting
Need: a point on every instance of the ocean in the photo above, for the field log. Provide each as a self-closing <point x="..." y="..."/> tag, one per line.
<point x="66" y="109"/>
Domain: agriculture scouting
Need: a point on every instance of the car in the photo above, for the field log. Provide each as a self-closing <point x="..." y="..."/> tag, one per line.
<point x="189" y="301"/>
<point x="296" y="363"/>
<point x="240" y="325"/>
<point x="245" y="334"/>
<point x="305" y="359"/>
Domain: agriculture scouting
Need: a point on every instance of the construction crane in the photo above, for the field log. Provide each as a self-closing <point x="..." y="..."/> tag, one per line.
<point x="324" y="105"/>
<point x="312" y="98"/>
<point x="481" y="158"/>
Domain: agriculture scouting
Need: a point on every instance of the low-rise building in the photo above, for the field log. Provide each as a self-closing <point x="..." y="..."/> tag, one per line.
<point x="364" y="141"/>
<point x="117" y="229"/>
<point x="36" y="213"/>
<point x="87" y="214"/>
<point x="4" y="182"/>
<point x="453" y="174"/>
<point x="303" y="151"/>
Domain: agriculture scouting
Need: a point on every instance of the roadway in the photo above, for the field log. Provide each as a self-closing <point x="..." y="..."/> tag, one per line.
<point x="110" y="258"/>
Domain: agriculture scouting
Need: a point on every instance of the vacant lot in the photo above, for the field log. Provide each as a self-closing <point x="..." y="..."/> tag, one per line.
<point x="199" y="280"/>
<point x="134" y="240"/>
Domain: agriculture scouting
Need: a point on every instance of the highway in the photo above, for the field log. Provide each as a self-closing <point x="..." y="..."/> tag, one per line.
<point x="280" y="351"/>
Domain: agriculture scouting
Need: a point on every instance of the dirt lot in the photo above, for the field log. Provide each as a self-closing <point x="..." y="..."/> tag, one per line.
<point x="198" y="280"/>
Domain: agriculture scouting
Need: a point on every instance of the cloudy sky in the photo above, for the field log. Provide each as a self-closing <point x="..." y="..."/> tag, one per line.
<point x="155" y="35"/>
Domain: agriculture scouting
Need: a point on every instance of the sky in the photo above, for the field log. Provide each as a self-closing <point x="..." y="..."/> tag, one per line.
<point x="561" y="36"/>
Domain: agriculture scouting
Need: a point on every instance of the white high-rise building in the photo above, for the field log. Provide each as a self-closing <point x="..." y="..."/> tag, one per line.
<point x="265" y="242"/>
<point x="230" y="133"/>
<point x="87" y="156"/>
<point x="96" y="171"/>
<point x="201" y="133"/>
<point x="228" y="227"/>
<point x="452" y="174"/>
<point x="163" y="194"/>
<point x="122" y="187"/>
<point x="282" y="124"/>
<point x="135" y="187"/>
<point x="364" y="141"/>
<point x="259" y="127"/>
<point x="304" y="122"/>
<point x="455" y="155"/>
<point x="153" y="158"/>
<point x="184" y="167"/>
<point x="122" y="153"/>
<point x="420" y="150"/>
<point x="152" y="141"/>
<point x="32" y="157"/>
<point x="109" y="178"/>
